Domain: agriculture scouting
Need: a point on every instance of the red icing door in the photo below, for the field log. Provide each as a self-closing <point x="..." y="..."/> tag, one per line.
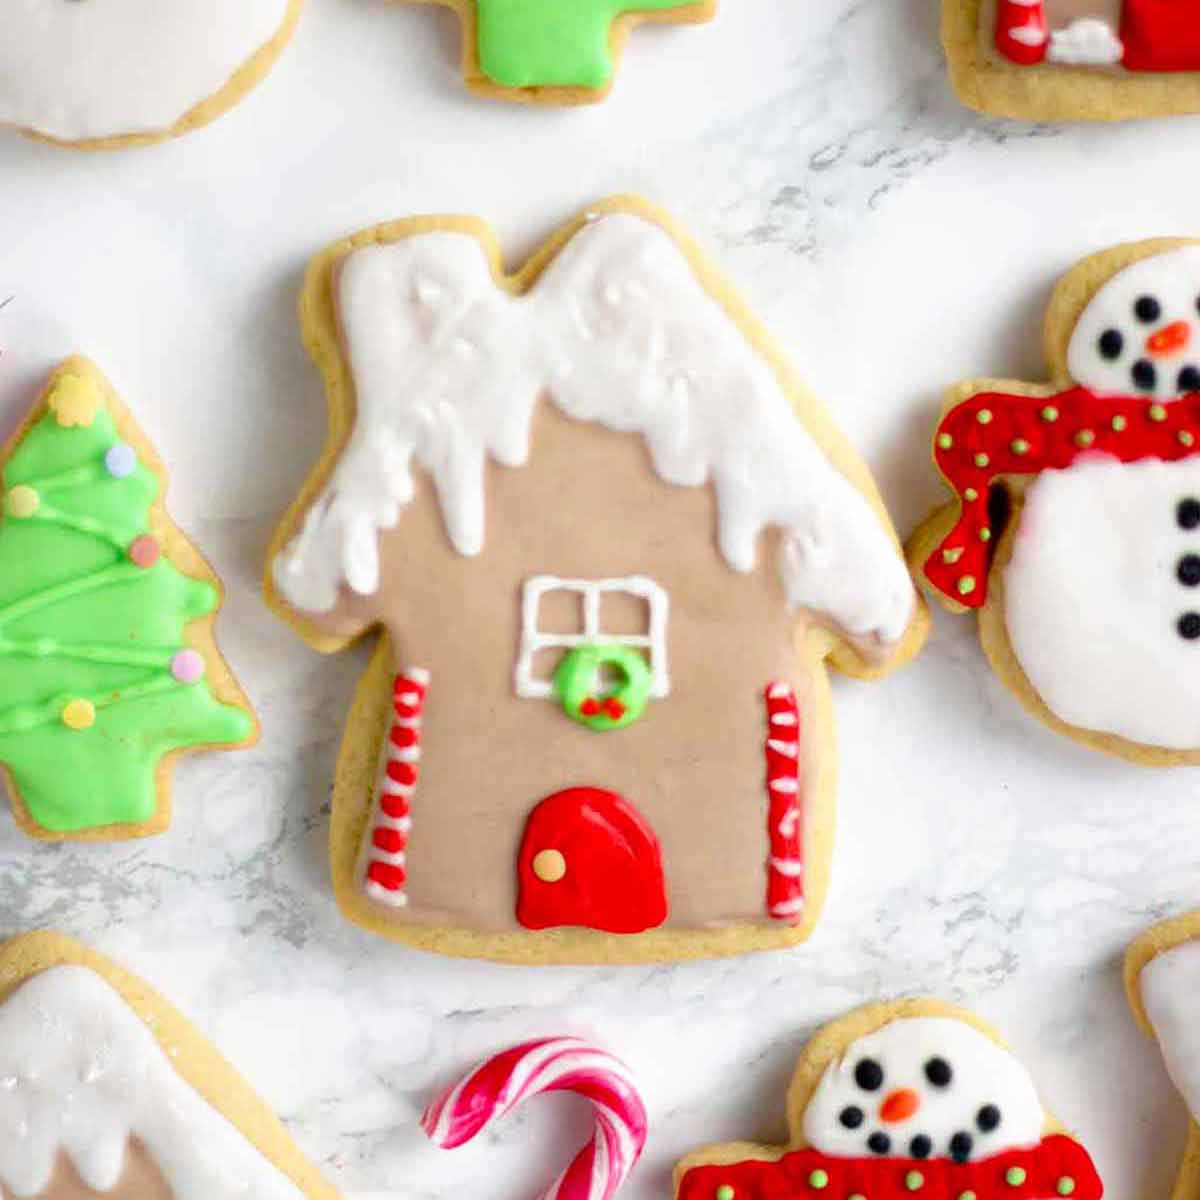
<point x="589" y="858"/>
<point x="1161" y="35"/>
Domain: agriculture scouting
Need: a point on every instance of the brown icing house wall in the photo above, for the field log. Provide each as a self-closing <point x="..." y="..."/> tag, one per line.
<point x="598" y="725"/>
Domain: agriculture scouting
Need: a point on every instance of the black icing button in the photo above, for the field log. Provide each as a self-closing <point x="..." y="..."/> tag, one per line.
<point x="1189" y="626"/>
<point x="1187" y="513"/>
<point x="1188" y="570"/>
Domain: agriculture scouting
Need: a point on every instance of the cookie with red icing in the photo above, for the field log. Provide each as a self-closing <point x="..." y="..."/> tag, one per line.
<point x="1074" y="59"/>
<point x="613" y="545"/>
<point x="1074" y="528"/>
<point x="900" y="1101"/>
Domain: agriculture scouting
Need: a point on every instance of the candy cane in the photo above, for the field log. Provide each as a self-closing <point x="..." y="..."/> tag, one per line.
<point x="785" y="868"/>
<point x="392" y="820"/>
<point x="552" y="1065"/>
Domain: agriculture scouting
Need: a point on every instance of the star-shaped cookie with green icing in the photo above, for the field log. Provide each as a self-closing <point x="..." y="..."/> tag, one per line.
<point x="557" y="51"/>
<point x="108" y="667"/>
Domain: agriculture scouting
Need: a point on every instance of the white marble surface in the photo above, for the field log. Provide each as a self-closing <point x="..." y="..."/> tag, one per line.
<point x="893" y="242"/>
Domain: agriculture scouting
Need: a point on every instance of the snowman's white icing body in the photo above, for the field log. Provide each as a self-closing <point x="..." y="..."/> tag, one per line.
<point x="1093" y="598"/>
<point x="1169" y="984"/>
<point x="933" y="1078"/>
<point x="78" y="70"/>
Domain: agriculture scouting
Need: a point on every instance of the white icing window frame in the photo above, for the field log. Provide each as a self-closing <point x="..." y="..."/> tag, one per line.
<point x="590" y="592"/>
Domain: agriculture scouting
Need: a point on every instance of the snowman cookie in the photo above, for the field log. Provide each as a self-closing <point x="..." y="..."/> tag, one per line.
<point x="902" y="1101"/>
<point x="108" y="73"/>
<point x="1099" y="60"/>
<point x="105" y="1090"/>
<point x="550" y="52"/>
<point x="1074" y="531"/>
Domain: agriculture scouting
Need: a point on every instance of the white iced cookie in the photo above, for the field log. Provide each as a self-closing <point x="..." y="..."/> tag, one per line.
<point x="105" y="72"/>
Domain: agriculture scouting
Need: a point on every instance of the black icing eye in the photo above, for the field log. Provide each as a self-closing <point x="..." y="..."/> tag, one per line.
<point x="1187" y="513"/>
<point x="1187" y="570"/>
<point x="1147" y="309"/>
<point x="988" y="1118"/>
<point x="1189" y="626"/>
<point x="851" y="1116"/>
<point x="1189" y="380"/>
<point x="1111" y="343"/>
<point x="961" y="1145"/>
<point x="879" y="1143"/>
<point x="938" y="1072"/>
<point x="920" y="1146"/>
<point x="869" y="1075"/>
<point x="1144" y="375"/>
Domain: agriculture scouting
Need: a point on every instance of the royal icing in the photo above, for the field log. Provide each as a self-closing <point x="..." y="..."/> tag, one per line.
<point x="924" y="1087"/>
<point x="96" y="681"/>
<point x="618" y="329"/>
<point x="1170" y="983"/>
<point x="552" y="1065"/>
<point x="77" y="70"/>
<point x="81" y="1075"/>
<point x="544" y="43"/>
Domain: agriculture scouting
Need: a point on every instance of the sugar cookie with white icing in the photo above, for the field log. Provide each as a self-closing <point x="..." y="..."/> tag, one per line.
<point x="106" y="1090"/>
<point x="1074" y="531"/>
<point x="897" y="1101"/>
<point x="613" y="545"/>
<point x="107" y="73"/>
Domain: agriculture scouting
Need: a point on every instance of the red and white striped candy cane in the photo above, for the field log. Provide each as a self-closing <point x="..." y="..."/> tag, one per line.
<point x="1021" y="34"/>
<point x="391" y="821"/>
<point x="552" y="1065"/>
<point x="785" y="868"/>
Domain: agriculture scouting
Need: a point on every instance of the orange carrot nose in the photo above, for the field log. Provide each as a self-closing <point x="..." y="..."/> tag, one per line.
<point x="899" y="1105"/>
<point x="1169" y="338"/>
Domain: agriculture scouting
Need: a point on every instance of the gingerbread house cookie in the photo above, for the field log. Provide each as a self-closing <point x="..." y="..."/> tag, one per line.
<point x="1074" y="532"/>
<point x="1074" y="59"/>
<point x="901" y="1101"/>
<point x="107" y="1091"/>
<point x="612" y="544"/>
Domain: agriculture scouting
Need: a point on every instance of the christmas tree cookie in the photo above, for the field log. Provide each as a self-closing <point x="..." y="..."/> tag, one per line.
<point x="909" y="1100"/>
<point x="108" y="667"/>
<point x="1073" y="532"/>
<point x="552" y="52"/>
<point x="117" y="73"/>
<point x="108" y="1092"/>
<point x="614" y="546"/>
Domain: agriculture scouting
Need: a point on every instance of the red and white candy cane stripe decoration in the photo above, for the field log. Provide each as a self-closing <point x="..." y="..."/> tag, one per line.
<point x="1021" y="34"/>
<point x="552" y="1065"/>
<point x="392" y="819"/>
<point x="785" y="868"/>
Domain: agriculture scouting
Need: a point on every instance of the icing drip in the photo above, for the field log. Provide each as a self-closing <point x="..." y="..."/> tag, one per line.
<point x="1170" y="983"/>
<point x="80" y="1074"/>
<point x="552" y="1065"/>
<point x="79" y="71"/>
<point x="618" y="330"/>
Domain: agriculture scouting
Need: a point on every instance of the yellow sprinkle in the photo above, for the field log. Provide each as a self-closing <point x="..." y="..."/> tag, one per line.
<point x="952" y="556"/>
<point x="1085" y="437"/>
<point x="549" y="865"/>
<point x="966" y="585"/>
<point x="982" y="460"/>
<point x="23" y="501"/>
<point x="984" y="416"/>
<point x="1118" y="424"/>
<point x="79" y="714"/>
<point x="75" y="400"/>
<point x="1185" y="438"/>
<point x="1019" y="446"/>
<point x="970" y="494"/>
<point x="985" y="534"/>
<point x="1049" y="413"/>
<point x="1157" y="412"/>
<point x="944" y="441"/>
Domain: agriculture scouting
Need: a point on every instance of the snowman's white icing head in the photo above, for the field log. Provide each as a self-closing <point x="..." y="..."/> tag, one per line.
<point x="924" y="1087"/>
<point x="1140" y="334"/>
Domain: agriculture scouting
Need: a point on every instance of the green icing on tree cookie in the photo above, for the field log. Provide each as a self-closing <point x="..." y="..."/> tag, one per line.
<point x="97" y="682"/>
<point x="553" y="43"/>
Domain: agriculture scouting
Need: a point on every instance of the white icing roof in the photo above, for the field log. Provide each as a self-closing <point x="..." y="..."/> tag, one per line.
<point x="618" y="329"/>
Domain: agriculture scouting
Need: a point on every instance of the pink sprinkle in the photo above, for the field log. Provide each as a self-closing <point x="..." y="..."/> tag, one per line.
<point x="187" y="666"/>
<point x="145" y="551"/>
